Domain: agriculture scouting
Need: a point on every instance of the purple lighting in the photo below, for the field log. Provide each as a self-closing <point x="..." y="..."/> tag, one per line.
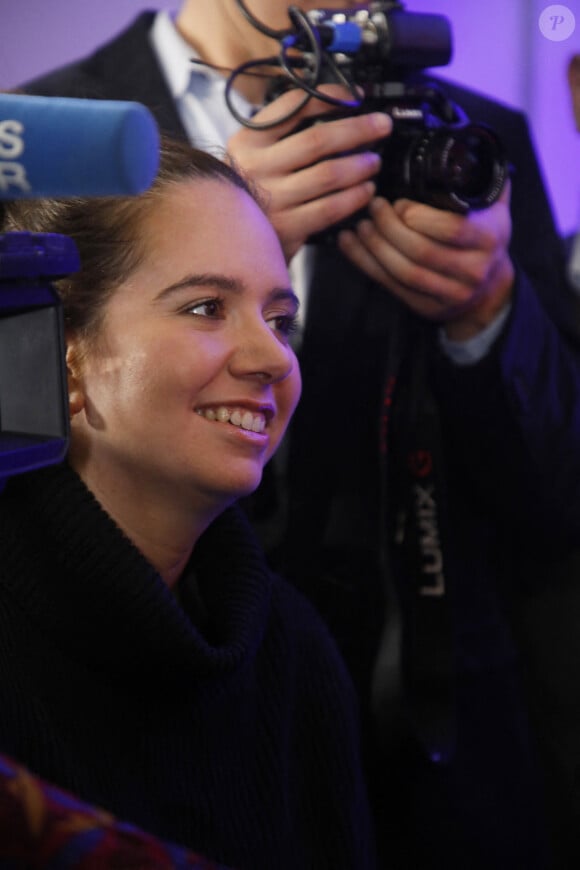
<point x="500" y="49"/>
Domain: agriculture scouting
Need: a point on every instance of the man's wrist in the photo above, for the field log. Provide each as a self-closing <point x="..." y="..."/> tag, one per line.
<point x="474" y="349"/>
<point x="474" y="320"/>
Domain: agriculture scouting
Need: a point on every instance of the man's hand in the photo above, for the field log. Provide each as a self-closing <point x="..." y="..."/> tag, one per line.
<point x="450" y="268"/>
<point x="310" y="179"/>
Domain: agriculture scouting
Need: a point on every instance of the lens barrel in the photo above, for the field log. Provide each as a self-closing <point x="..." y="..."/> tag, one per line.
<point x="460" y="168"/>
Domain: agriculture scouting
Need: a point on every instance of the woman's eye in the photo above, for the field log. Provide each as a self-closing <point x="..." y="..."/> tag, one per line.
<point x="286" y="324"/>
<point x="207" y="308"/>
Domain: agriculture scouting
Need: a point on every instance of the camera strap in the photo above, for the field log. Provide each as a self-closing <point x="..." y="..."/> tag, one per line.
<point x="414" y="506"/>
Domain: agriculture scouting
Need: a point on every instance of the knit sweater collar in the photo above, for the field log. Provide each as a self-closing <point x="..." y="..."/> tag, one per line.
<point x="83" y="583"/>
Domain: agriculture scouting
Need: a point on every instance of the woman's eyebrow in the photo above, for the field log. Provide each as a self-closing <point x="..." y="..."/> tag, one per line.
<point x="211" y="279"/>
<point x="224" y="283"/>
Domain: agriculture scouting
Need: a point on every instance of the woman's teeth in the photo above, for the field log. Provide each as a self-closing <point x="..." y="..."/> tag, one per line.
<point x="237" y="417"/>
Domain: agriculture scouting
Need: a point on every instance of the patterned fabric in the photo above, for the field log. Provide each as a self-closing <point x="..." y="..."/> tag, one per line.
<point x="42" y="826"/>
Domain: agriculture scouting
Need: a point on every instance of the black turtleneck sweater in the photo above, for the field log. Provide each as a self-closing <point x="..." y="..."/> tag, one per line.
<point x="221" y="719"/>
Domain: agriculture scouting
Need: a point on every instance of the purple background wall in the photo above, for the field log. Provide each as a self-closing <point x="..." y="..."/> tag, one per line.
<point x="499" y="50"/>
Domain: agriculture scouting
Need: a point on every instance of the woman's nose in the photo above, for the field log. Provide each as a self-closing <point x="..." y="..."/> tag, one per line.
<point x="263" y="354"/>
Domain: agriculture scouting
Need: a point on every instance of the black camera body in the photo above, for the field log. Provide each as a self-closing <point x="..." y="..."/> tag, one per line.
<point x="435" y="153"/>
<point x="34" y="415"/>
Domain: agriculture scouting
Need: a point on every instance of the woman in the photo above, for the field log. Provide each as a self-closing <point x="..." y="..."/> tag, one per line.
<point x="149" y="661"/>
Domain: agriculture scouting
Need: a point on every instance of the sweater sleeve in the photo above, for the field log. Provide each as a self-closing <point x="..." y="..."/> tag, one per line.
<point x="327" y="776"/>
<point x="512" y="424"/>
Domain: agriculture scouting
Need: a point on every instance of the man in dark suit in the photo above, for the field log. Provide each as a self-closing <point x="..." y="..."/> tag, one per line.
<point x="424" y="509"/>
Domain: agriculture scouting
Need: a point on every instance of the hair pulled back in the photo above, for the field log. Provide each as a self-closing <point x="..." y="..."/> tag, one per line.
<point x="107" y="230"/>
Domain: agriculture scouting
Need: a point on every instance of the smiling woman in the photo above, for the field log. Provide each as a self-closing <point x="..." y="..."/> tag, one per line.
<point x="152" y="664"/>
<point x="164" y="321"/>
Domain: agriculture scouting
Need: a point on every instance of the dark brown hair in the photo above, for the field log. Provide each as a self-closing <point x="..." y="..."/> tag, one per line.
<point x="107" y="230"/>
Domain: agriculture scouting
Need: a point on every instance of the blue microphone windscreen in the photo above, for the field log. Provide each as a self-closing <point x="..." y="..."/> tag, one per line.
<point x="62" y="147"/>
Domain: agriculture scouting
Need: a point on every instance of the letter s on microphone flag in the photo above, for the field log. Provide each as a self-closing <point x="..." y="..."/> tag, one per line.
<point x="63" y="147"/>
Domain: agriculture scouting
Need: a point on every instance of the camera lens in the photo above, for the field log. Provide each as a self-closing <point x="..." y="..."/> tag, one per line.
<point x="457" y="168"/>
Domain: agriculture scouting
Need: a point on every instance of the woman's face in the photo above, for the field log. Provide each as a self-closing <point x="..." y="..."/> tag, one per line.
<point x="192" y="380"/>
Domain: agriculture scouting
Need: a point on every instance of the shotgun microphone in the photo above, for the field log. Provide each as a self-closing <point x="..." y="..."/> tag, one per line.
<point x="65" y="147"/>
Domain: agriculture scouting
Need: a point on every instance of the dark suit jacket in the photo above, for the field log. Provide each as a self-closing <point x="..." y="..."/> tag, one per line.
<point x="512" y="511"/>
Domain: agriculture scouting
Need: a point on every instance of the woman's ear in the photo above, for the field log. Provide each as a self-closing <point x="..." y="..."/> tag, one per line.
<point x="76" y="396"/>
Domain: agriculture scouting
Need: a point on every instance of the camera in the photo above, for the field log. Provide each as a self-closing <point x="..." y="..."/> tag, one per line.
<point x="34" y="424"/>
<point x="435" y="153"/>
<point x="53" y="147"/>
